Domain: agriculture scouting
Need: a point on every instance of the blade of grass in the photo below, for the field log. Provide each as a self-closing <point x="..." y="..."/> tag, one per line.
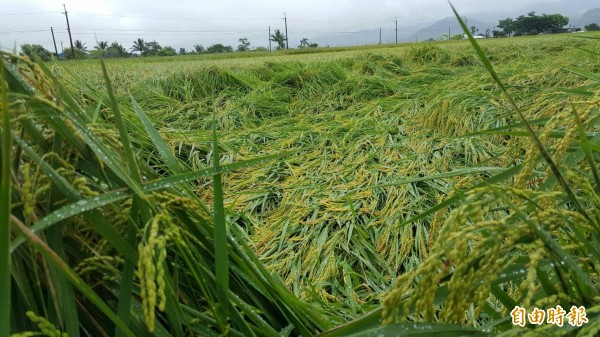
<point x="449" y="201"/>
<point x="5" y="202"/>
<point x="80" y="206"/>
<point x="163" y="149"/>
<point x="139" y="208"/>
<point x="587" y="74"/>
<point x="220" y="233"/>
<point x="585" y="145"/>
<point x="422" y="329"/>
<point x="500" y="129"/>
<point x="369" y="321"/>
<point x="89" y="293"/>
<point x="127" y="276"/>
<point x="134" y="170"/>
<point x="64" y="298"/>
<point x="463" y="172"/>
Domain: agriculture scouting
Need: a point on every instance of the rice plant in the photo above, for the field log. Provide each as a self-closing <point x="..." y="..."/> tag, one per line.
<point x="284" y="195"/>
<point x="126" y="250"/>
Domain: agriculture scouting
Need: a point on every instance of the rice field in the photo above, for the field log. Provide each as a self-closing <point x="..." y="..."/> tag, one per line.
<point x="360" y="191"/>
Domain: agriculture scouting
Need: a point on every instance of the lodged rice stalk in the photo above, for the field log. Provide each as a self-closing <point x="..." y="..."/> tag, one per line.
<point x="376" y="142"/>
<point x="532" y="244"/>
<point x="75" y="205"/>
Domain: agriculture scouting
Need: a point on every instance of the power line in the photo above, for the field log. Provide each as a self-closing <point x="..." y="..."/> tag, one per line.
<point x="169" y="30"/>
<point x="176" y="19"/>
<point x="11" y="14"/>
<point x="24" y="31"/>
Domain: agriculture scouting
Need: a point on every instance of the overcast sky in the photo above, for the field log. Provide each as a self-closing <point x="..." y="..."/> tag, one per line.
<point x="186" y="23"/>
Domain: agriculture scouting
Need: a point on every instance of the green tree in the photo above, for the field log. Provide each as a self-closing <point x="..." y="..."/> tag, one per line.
<point x="592" y="27"/>
<point x="99" y="49"/>
<point x="79" y="54"/>
<point x="303" y="43"/>
<point x="532" y="24"/>
<point x="101" y="45"/>
<point x="167" y="51"/>
<point x="507" y="25"/>
<point x="199" y="49"/>
<point x="278" y="37"/>
<point x="243" y="44"/>
<point x="474" y="30"/>
<point x="41" y="52"/>
<point x="182" y="51"/>
<point x="139" y="45"/>
<point x="152" y="49"/>
<point x="218" y="48"/>
<point x="117" y="50"/>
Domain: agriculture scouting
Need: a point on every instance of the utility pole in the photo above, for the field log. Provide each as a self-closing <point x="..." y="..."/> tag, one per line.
<point x="396" y="30"/>
<point x="286" y="34"/>
<point x="69" y="30"/>
<point x="269" y="38"/>
<point x="379" y="35"/>
<point x="54" y="40"/>
<point x="448" y="32"/>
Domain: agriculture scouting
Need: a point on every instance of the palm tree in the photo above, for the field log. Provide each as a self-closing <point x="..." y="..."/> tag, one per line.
<point x="278" y="37"/>
<point x="102" y="45"/>
<point x="139" y="45"/>
<point x="303" y="43"/>
<point x="80" y="45"/>
<point x="117" y="50"/>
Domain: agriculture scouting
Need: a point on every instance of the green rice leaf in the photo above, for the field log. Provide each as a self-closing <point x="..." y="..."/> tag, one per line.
<point x="5" y="206"/>
<point x="163" y="149"/>
<point x="220" y="233"/>
<point x="422" y="329"/>
<point x="54" y="259"/>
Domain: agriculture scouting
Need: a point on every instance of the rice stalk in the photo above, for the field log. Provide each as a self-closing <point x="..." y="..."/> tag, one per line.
<point x="5" y="205"/>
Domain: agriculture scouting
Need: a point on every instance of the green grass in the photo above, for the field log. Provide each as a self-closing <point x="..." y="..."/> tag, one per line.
<point x="337" y="178"/>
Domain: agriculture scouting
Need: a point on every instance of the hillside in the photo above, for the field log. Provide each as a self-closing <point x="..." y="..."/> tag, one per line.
<point x="450" y="24"/>
<point x="590" y="16"/>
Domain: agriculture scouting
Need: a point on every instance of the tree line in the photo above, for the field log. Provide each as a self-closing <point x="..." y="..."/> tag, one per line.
<point x="532" y="24"/>
<point x="151" y="48"/>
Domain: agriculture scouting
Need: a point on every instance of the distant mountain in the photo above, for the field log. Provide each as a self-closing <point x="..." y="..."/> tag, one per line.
<point x="367" y="36"/>
<point x="570" y="8"/>
<point x="578" y="11"/>
<point x="450" y="24"/>
<point x="590" y="16"/>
